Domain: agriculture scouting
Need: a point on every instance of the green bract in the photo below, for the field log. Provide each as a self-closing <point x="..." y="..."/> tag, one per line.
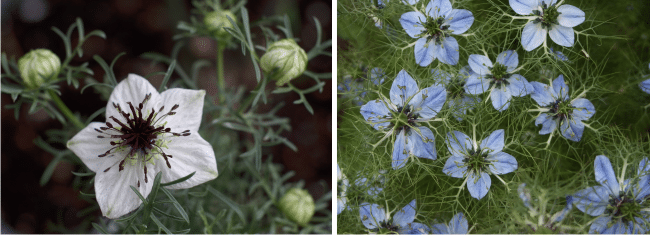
<point x="37" y="66"/>
<point x="217" y="20"/>
<point x="297" y="205"/>
<point x="287" y="57"/>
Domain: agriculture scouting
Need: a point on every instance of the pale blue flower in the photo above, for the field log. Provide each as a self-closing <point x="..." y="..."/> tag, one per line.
<point x="407" y="107"/>
<point x="474" y="162"/>
<point x="342" y="184"/>
<point x="374" y="186"/>
<point x="352" y="89"/>
<point x="377" y="76"/>
<point x="559" y="55"/>
<point x="458" y="100"/>
<point x="457" y="225"/>
<point x="619" y="206"/>
<point x="433" y="29"/>
<point x="374" y="218"/>
<point x="645" y="85"/>
<point x="561" y="112"/>
<point x="557" y="20"/>
<point x="498" y="78"/>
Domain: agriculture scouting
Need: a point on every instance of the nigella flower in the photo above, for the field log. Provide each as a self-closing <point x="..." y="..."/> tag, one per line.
<point x="375" y="218"/>
<point x="645" y="85"/>
<point x="407" y="107"/>
<point x="474" y="162"/>
<point x="145" y="132"/>
<point x="497" y="78"/>
<point x="547" y="16"/>
<point x="559" y="55"/>
<point x="374" y="185"/>
<point x="377" y="76"/>
<point x="559" y="111"/>
<point x="458" y="99"/>
<point x="342" y="184"/>
<point x="352" y="89"/>
<point x="457" y="225"/>
<point x="433" y="30"/>
<point x="619" y="204"/>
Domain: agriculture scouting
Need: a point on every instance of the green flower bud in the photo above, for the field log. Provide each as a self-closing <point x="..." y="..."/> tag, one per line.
<point x="297" y="205"/>
<point x="287" y="57"/>
<point x="38" y="66"/>
<point x="217" y="20"/>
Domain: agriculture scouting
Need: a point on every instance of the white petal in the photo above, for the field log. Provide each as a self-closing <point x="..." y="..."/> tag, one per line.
<point x="132" y="89"/>
<point x="113" y="191"/>
<point x="189" y="112"/>
<point x="189" y="154"/>
<point x="88" y="147"/>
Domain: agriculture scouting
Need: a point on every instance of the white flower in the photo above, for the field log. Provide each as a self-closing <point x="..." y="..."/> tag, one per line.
<point x="145" y="133"/>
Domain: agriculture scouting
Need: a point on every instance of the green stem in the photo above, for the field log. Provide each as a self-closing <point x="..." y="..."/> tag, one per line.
<point x="66" y="111"/>
<point x="220" y="77"/>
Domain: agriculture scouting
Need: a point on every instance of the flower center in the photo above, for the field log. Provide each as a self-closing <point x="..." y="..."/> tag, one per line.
<point x="623" y="207"/>
<point x="561" y="110"/>
<point x="405" y="118"/>
<point x="387" y="227"/>
<point x="434" y="28"/>
<point x="547" y="16"/>
<point x="476" y="161"/>
<point x="139" y="135"/>
<point x="500" y="75"/>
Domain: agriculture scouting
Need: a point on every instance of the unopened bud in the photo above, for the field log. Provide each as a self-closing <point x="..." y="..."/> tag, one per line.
<point x="297" y="205"/>
<point x="217" y="20"/>
<point x="287" y="57"/>
<point x="38" y="66"/>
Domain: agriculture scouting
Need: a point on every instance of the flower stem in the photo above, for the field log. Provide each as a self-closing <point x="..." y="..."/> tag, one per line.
<point x="65" y="110"/>
<point x="221" y="84"/>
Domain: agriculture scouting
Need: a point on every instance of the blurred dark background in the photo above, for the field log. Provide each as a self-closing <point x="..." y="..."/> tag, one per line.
<point x="135" y="27"/>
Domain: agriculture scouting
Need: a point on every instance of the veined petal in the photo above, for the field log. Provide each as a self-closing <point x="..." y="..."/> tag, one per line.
<point x="458" y="224"/>
<point x="617" y="228"/>
<point x="583" y="109"/>
<point x="502" y="163"/>
<point x="478" y="185"/>
<point x="428" y="102"/>
<point x="113" y="191"/>
<point x="458" y="143"/>
<point x="542" y="94"/>
<point x="189" y="154"/>
<point x="439" y="229"/>
<point x="376" y="113"/>
<point x="132" y="89"/>
<point x="605" y="174"/>
<point x="645" y="86"/>
<point x="371" y="215"/>
<point x="421" y="146"/>
<point x="572" y="129"/>
<point x="570" y="16"/>
<point x="500" y="98"/>
<point x="494" y="142"/>
<point x="599" y="225"/>
<point x="455" y="167"/>
<point x="476" y="84"/>
<point x="415" y="228"/>
<point x="190" y="108"/>
<point x="424" y="51"/>
<point x="459" y="21"/>
<point x="412" y="23"/>
<point x="519" y="86"/>
<point x="400" y="153"/>
<point x="533" y="35"/>
<point x="560" y="89"/>
<point x="402" y="89"/>
<point x="88" y="147"/>
<point x="508" y="58"/>
<point x="438" y="8"/>
<point x="592" y="200"/>
<point x="561" y="35"/>
<point x="480" y="64"/>
<point x="524" y="7"/>
<point x="548" y="123"/>
<point x="447" y="51"/>
<point x="405" y="216"/>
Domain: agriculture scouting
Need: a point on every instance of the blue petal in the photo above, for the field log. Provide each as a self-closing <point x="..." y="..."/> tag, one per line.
<point x="447" y="51"/>
<point x="592" y="200"/>
<point x="466" y="71"/>
<point x="524" y="194"/>
<point x="438" y="8"/>
<point x="533" y="35"/>
<point x="428" y="102"/>
<point x="376" y="114"/>
<point x="478" y="185"/>
<point x="459" y="21"/>
<point x="599" y="225"/>
<point x="548" y="123"/>
<point x="542" y="94"/>
<point x="400" y="154"/>
<point x="424" y="51"/>
<point x="377" y="76"/>
<point x="402" y="89"/>
<point x="421" y="146"/>
<point x="439" y="229"/>
<point x="638" y="226"/>
<point x="561" y="35"/>
<point x="405" y="216"/>
<point x="572" y="129"/>
<point x="524" y="7"/>
<point x="644" y="167"/>
<point x="605" y="174"/>
<point x="494" y="142"/>
<point x="455" y="167"/>
<point x="559" y="55"/>
<point x="570" y="16"/>
<point x="508" y="58"/>
<point x="371" y="215"/>
<point x="583" y="109"/>
<point x="458" y="143"/>
<point x="617" y="228"/>
<point x="340" y="203"/>
<point x="412" y="23"/>
<point x="410" y="2"/>
<point x="502" y="163"/>
<point x="476" y="85"/>
<point x="360" y="181"/>
<point x="519" y="86"/>
<point x="645" y="86"/>
<point x="480" y="64"/>
<point x="560" y="89"/>
<point x="500" y="98"/>
<point x="416" y="228"/>
<point x="458" y="224"/>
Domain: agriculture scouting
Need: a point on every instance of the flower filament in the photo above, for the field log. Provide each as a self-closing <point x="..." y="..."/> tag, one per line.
<point x="547" y="16"/>
<point x="476" y="161"/>
<point x="623" y="207"/>
<point x="561" y="110"/>
<point x="434" y="29"/>
<point x="499" y="75"/>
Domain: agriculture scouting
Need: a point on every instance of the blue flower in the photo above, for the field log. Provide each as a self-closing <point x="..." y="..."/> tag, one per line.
<point x="377" y="76"/>
<point x="352" y="89"/>
<point x="645" y="85"/>
<point x="561" y="112"/>
<point x="497" y="78"/>
<point x="475" y="162"/>
<point x="375" y="218"/>
<point x="619" y="206"/>
<point x="406" y="108"/>
<point x="342" y="184"/>
<point x="559" y="55"/>
<point x="557" y="20"/>
<point x="433" y="30"/>
<point x="374" y="185"/>
<point x="459" y="101"/>
<point x="457" y="225"/>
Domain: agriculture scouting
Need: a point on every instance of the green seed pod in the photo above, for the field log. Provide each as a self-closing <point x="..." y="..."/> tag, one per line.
<point x="287" y="57"/>
<point x="38" y="66"/>
<point x="217" y="20"/>
<point x="297" y="205"/>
